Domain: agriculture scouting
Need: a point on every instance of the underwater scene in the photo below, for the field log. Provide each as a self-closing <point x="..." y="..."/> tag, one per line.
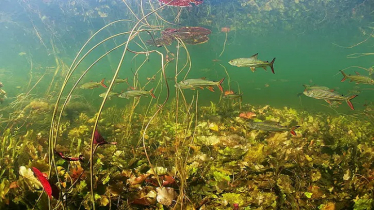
<point x="187" y="104"/>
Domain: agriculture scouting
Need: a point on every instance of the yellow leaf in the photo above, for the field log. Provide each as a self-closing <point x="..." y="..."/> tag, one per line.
<point x="213" y="127"/>
<point x="308" y="158"/>
<point x="29" y="177"/>
<point x="104" y="201"/>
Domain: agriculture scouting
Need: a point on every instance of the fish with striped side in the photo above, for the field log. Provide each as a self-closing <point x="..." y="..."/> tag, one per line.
<point x="136" y="93"/>
<point x="252" y="62"/>
<point x="200" y="83"/>
<point x="329" y="96"/>
<point x="92" y="85"/>
<point x="358" y="79"/>
<point x="271" y="126"/>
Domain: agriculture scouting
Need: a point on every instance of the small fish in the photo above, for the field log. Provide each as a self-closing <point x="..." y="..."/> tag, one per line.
<point x="231" y="95"/>
<point x="312" y="87"/>
<point x="118" y="81"/>
<point x="329" y="96"/>
<point x="200" y="83"/>
<point x="358" y="79"/>
<point x="252" y="63"/>
<point x="92" y="85"/>
<point x="136" y="93"/>
<point x="110" y="95"/>
<point x="271" y="126"/>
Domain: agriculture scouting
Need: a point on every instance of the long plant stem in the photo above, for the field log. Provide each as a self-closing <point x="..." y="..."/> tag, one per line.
<point x="224" y="46"/>
<point x="105" y="98"/>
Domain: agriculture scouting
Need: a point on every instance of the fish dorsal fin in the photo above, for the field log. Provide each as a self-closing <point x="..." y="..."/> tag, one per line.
<point x="357" y="73"/>
<point x="203" y="78"/>
<point x="254" y="56"/>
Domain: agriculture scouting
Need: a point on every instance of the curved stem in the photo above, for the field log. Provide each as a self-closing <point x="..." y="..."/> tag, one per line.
<point x="105" y="98"/>
<point x="224" y="45"/>
<point x="54" y="128"/>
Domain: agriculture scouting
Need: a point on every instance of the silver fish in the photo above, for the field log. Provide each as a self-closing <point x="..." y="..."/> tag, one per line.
<point x="230" y="95"/>
<point x="253" y="63"/>
<point x="270" y="126"/>
<point x="111" y="94"/>
<point x="118" y="81"/>
<point x="358" y="79"/>
<point x="329" y="96"/>
<point x="200" y="83"/>
<point x="91" y="85"/>
<point x="136" y="93"/>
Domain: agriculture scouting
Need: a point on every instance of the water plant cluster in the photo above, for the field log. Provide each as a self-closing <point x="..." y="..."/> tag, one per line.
<point x="61" y="150"/>
<point x="211" y="160"/>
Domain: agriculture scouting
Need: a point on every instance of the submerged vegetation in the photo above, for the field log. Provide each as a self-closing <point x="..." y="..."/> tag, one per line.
<point x="71" y="143"/>
<point x="217" y="163"/>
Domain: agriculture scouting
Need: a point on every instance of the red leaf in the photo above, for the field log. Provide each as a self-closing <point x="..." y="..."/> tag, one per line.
<point x="99" y="140"/>
<point x="44" y="181"/>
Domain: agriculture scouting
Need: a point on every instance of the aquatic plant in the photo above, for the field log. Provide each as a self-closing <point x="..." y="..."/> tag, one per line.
<point x="180" y="154"/>
<point x="225" y="30"/>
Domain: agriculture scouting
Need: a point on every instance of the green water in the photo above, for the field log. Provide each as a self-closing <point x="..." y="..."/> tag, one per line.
<point x="307" y="54"/>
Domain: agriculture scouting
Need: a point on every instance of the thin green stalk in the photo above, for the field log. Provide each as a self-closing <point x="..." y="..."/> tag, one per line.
<point x="104" y="100"/>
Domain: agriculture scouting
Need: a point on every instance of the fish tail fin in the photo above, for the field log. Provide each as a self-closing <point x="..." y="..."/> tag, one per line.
<point x="220" y="84"/>
<point x="349" y="101"/>
<point x="271" y="65"/>
<point x="102" y="83"/>
<point x="151" y="93"/>
<point x="344" y="76"/>
<point x="292" y="131"/>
